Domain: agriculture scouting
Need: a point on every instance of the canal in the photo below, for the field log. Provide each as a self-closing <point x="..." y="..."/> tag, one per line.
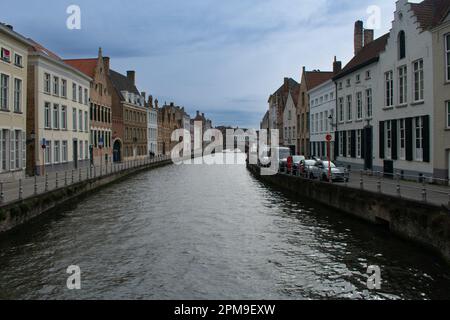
<point x="210" y="232"/>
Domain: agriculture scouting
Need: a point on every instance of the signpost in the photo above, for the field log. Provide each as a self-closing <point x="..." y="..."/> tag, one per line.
<point x="329" y="138"/>
<point x="43" y="146"/>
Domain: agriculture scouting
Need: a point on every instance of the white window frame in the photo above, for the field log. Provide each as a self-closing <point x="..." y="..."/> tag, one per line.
<point x="402" y="139"/>
<point x="55" y="86"/>
<point x="47" y="115"/>
<point x="47" y="83"/>
<point x="74" y="119"/>
<point x="4" y="91"/>
<point x="358" y="143"/>
<point x="389" y="89"/>
<point x="418" y="81"/>
<point x="18" y="60"/>
<point x="341" y="109"/>
<point x="369" y="103"/>
<point x="447" y="56"/>
<point x="48" y="152"/>
<point x="55" y="116"/>
<point x="63" y="117"/>
<point x="447" y="107"/>
<point x="64" y="151"/>
<point x="18" y="87"/>
<point x="359" y="105"/>
<point x="403" y="85"/>
<point x="418" y="139"/>
<point x="388" y="142"/>
<point x="4" y="150"/>
<point x="349" y="108"/>
<point x="64" y="88"/>
<point x="74" y="91"/>
<point x="57" y="151"/>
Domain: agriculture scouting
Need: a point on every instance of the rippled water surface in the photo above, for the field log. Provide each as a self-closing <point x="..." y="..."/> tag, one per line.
<point x="210" y="232"/>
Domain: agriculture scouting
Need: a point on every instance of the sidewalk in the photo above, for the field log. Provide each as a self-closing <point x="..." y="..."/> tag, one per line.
<point x="31" y="186"/>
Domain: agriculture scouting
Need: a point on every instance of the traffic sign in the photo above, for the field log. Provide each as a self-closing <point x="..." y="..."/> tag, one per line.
<point x="329" y="137"/>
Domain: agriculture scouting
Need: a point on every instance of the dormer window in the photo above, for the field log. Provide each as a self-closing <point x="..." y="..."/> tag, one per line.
<point x="401" y="45"/>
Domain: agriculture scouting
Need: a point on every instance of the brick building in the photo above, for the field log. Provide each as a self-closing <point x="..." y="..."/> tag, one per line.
<point x="100" y="106"/>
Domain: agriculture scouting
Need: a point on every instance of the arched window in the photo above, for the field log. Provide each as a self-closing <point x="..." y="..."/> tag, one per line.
<point x="401" y="45"/>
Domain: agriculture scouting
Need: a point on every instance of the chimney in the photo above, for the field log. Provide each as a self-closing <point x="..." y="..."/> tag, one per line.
<point x="10" y="27"/>
<point x="172" y="104"/>
<point x="198" y="113"/>
<point x="144" y="94"/>
<point x="156" y="104"/>
<point x="337" y="66"/>
<point x="358" y="36"/>
<point x="150" y="101"/>
<point x="106" y="64"/>
<point x="368" y="36"/>
<point x="203" y="115"/>
<point x="286" y="84"/>
<point x="131" y="75"/>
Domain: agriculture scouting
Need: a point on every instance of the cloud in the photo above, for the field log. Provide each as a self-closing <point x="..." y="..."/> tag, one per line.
<point x="221" y="57"/>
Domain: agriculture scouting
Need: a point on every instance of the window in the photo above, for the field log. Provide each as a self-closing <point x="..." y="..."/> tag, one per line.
<point x="447" y="54"/>
<point x="81" y="150"/>
<point x="418" y="128"/>
<point x="57" y="152"/>
<point x="86" y="150"/>
<point x="64" y="117"/>
<point x="358" y="78"/>
<point x="80" y="120"/>
<point x="349" y="144"/>
<point x="74" y="91"/>
<point x="86" y="96"/>
<point x="358" y="143"/>
<point x="80" y="94"/>
<point x="418" y="80"/>
<point x="402" y="138"/>
<point x="55" y="116"/>
<point x="359" y="106"/>
<point x="56" y="86"/>
<point x="6" y="55"/>
<point x="368" y="75"/>
<point x="389" y="89"/>
<point x="47" y="116"/>
<point x="4" y="137"/>
<point x="17" y="95"/>
<point x="47" y="83"/>
<point x="18" y="60"/>
<point x="448" y="113"/>
<point x="86" y="126"/>
<point x="369" y="103"/>
<point x="74" y="119"/>
<point x="401" y="45"/>
<point x="349" y="108"/>
<point x="48" y="152"/>
<point x="402" y="85"/>
<point x="341" y="109"/>
<point x="12" y="149"/>
<point x="64" y="151"/>
<point x="63" y="88"/>
<point x="388" y="140"/>
<point x="4" y="91"/>
<point x="340" y="85"/>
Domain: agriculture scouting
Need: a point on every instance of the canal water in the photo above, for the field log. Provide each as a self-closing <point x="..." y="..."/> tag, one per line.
<point x="210" y="232"/>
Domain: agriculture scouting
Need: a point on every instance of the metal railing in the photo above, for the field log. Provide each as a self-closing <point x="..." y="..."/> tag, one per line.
<point x="20" y="189"/>
<point x="421" y="188"/>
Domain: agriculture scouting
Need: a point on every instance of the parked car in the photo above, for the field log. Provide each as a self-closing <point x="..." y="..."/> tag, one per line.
<point x="296" y="162"/>
<point x="321" y="171"/>
<point x="283" y="154"/>
<point x="307" y="168"/>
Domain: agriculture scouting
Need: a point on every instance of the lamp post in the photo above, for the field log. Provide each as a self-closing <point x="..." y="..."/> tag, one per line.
<point x="329" y="138"/>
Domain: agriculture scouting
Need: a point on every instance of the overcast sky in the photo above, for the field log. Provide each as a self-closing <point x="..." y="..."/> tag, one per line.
<point x="221" y="57"/>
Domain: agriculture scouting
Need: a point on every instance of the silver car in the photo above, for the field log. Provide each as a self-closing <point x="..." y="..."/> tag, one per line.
<point x="321" y="170"/>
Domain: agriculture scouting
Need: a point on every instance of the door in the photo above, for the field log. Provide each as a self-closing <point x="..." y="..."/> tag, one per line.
<point x="448" y="166"/>
<point x="389" y="169"/>
<point x="117" y="151"/>
<point x="75" y="154"/>
<point x="368" y="152"/>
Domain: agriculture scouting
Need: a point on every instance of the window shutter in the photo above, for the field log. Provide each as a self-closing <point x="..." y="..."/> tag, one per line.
<point x="24" y="150"/>
<point x="426" y="138"/>
<point x="363" y="142"/>
<point x="409" y="139"/>
<point x="344" y="153"/>
<point x="381" y="138"/>
<point x="353" y="143"/>
<point x="394" y="140"/>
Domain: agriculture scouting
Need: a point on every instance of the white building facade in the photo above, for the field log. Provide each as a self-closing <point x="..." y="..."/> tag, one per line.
<point x="290" y="123"/>
<point x="59" y="106"/>
<point x="152" y="135"/>
<point x="13" y="103"/>
<point x="404" y="141"/>
<point x="322" y="111"/>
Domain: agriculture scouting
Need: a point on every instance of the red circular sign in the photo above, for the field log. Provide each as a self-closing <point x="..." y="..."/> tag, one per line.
<point x="329" y="137"/>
